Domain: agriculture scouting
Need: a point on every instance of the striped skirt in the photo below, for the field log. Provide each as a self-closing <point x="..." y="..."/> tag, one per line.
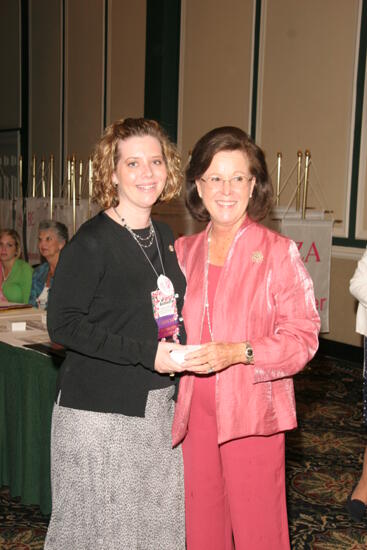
<point x="116" y="481"/>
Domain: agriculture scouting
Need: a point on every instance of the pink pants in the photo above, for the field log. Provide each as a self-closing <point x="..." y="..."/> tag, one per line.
<point x="235" y="488"/>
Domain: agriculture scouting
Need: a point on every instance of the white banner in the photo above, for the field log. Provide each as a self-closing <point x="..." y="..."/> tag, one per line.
<point x="6" y="214"/>
<point x="313" y="239"/>
<point x="18" y="206"/>
<point x="11" y="216"/>
<point x="38" y="209"/>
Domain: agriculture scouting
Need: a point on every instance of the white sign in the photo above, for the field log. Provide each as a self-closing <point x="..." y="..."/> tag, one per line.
<point x="38" y="209"/>
<point x="314" y="239"/>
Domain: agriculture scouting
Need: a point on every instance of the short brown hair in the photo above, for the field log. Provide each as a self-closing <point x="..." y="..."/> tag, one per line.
<point x="228" y="138"/>
<point x="15" y="236"/>
<point x="107" y="154"/>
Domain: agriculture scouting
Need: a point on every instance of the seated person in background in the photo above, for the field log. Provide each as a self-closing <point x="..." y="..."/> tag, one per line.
<point x="52" y="237"/>
<point x="16" y="274"/>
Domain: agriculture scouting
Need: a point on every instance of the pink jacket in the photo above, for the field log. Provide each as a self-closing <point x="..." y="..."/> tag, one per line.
<point x="264" y="295"/>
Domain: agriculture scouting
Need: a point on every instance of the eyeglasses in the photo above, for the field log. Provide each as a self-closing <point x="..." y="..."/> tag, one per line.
<point x="236" y="181"/>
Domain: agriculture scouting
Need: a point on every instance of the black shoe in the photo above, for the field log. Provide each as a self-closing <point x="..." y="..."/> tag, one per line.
<point x="356" y="508"/>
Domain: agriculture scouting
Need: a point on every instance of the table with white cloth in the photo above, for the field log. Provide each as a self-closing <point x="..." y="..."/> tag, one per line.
<point x="27" y="393"/>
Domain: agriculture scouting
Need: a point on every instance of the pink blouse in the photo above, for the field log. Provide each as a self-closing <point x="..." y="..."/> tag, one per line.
<point x="264" y="295"/>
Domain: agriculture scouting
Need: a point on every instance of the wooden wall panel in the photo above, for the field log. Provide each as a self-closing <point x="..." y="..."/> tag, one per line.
<point x="343" y="306"/>
<point x="45" y="82"/>
<point x="84" y="75"/>
<point x="10" y="96"/>
<point x="126" y="59"/>
<point x="307" y="91"/>
<point x="361" y="222"/>
<point x="216" y="67"/>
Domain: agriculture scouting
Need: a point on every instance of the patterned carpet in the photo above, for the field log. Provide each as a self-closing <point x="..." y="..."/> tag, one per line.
<point x="324" y="459"/>
<point x="21" y="527"/>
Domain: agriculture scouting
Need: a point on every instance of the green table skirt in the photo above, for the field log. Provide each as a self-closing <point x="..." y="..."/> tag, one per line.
<point x="27" y="394"/>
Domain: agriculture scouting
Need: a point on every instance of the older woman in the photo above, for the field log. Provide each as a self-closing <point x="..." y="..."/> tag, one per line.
<point x="52" y="237"/>
<point x="115" y="304"/>
<point x="16" y="274"/>
<point x="250" y="303"/>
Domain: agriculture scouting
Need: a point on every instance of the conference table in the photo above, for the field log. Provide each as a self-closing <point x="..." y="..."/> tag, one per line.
<point x="27" y="393"/>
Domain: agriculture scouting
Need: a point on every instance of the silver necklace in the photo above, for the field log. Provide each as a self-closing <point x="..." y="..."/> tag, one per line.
<point x="145" y="242"/>
<point x="206" y="312"/>
<point x="163" y="282"/>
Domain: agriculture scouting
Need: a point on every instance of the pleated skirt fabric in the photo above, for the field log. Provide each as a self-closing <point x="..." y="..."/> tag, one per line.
<point x="116" y="482"/>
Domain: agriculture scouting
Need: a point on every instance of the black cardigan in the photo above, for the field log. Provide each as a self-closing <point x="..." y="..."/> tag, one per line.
<point x="100" y="309"/>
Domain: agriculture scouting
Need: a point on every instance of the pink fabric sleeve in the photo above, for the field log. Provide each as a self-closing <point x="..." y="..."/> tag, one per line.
<point x="180" y="247"/>
<point x="297" y="323"/>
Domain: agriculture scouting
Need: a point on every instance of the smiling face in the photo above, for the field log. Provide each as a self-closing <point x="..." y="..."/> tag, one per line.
<point x="140" y="173"/>
<point x="225" y="188"/>
<point x="49" y="245"/>
<point x="8" y="249"/>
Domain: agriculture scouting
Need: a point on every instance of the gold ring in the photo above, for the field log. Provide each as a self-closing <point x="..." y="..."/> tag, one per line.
<point x="172" y="374"/>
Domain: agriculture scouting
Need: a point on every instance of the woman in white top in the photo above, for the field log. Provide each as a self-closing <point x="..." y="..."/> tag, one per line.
<point x="357" y="501"/>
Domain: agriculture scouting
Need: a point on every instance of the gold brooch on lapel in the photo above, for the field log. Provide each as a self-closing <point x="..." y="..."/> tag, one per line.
<point x="171" y="248"/>
<point x="257" y="257"/>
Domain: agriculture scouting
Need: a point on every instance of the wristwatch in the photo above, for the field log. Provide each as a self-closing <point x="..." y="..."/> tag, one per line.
<point x="249" y="352"/>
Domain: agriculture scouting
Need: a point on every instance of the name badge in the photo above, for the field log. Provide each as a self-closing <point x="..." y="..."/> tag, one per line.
<point x="165" y="314"/>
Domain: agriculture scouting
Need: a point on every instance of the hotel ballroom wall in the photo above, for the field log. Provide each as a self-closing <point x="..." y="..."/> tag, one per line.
<point x="290" y="72"/>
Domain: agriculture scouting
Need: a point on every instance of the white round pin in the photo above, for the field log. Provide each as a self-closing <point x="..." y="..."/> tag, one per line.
<point x="165" y="285"/>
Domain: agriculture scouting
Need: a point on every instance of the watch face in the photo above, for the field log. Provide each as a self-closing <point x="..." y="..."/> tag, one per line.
<point x="249" y="353"/>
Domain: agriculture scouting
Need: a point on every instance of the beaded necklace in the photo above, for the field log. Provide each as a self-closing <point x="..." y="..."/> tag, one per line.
<point x="163" y="282"/>
<point x="206" y="312"/>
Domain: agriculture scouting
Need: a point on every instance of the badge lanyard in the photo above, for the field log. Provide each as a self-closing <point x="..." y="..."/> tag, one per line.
<point x="163" y="299"/>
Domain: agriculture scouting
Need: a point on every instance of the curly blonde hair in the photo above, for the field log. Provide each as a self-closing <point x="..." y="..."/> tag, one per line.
<point x="107" y="154"/>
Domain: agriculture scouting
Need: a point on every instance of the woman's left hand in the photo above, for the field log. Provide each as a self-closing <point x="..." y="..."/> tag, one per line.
<point x="214" y="357"/>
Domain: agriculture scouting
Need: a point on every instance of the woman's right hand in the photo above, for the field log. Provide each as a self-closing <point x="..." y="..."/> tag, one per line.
<point x="163" y="361"/>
